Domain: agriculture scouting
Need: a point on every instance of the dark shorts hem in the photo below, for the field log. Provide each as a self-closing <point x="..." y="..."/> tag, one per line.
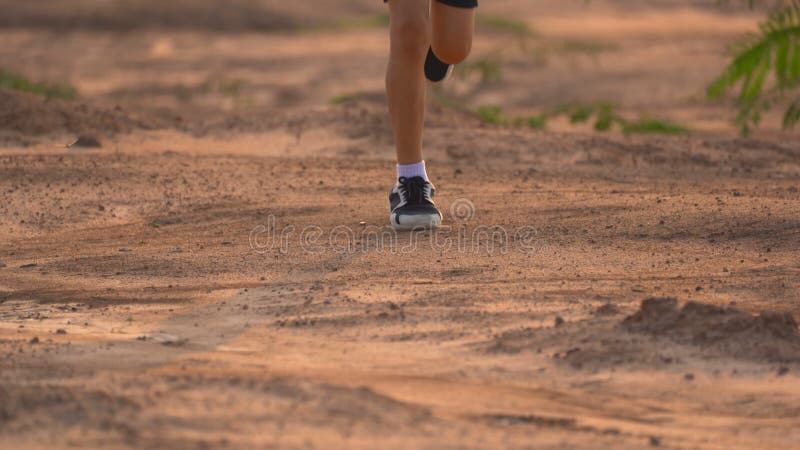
<point x="460" y="3"/>
<point x="456" y="3"/>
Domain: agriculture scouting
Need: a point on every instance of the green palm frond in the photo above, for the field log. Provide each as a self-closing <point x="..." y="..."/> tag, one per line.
<point x="775" y="50"/>
<point x="792" y="115"/>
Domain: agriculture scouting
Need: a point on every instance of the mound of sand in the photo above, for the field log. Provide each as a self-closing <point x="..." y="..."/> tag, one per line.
<point x="24" y="114"/>
<point x="769" y="336"/>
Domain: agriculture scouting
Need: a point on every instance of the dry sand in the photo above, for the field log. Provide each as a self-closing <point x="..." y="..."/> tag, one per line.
<point x="645" y="293"/>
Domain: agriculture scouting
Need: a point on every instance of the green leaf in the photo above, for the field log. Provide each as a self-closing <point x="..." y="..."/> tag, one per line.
<point x="754" y="83"/>
<point x="581" y="113"/>
<point x="17" y="82"/>
<point x="491" y="114"/>
<point x="792" y="115"/>
<point x="775" y="49"/>
<point x="652" y="125"/>
<point x="605" y="117"/>
<point x="782" y="60"/>
<point x="537" y="122"/>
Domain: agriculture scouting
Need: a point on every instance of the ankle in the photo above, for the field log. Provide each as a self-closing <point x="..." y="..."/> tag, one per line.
<point x="412" y="170"/>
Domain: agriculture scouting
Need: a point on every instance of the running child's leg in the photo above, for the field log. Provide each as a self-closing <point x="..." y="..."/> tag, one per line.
<point x="411" y="199"/>
<point x="405" y="83"/>
<point x="452" y="24"/>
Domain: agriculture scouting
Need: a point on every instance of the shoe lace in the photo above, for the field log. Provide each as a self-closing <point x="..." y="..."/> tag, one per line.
<point x="414" y="189"/>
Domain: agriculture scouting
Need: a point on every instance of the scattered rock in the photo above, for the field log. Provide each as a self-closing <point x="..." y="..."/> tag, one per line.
<point x="34" y="340"/>
<point x="609" y="309"/>
<point x="85" y="141"/>
<point x="655" y="441"/>
<point x="558" y="321"/>
<point x="61" y="331"/>
<point x="2" y="264"/>
<point x="783" y="370"/>
<point x="512" y="419"/>
<point x="28" y="266"/>
<point x="688" y="376"/>
<point x="164" y="339"/>
<point x="175" y="343"/>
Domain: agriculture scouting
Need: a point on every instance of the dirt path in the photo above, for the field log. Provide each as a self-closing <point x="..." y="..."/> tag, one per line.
<point x="175" y="331"/>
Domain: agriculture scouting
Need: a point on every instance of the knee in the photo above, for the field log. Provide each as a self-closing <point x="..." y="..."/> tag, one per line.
<point x="452" y="51"/>
<point x="410" y="36"/>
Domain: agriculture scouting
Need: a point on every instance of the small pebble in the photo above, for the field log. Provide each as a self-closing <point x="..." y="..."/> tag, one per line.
<point x="86" y="141"/>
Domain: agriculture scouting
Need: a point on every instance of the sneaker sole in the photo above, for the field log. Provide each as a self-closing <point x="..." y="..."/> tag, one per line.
<point x="433" y="68"/>
<point x="416" y="222"/>
<point x="447" y="75"/>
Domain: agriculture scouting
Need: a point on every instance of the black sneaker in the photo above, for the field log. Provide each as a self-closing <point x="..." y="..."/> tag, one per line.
<point x="436" y="70"/>
<point x="411" y="205"/>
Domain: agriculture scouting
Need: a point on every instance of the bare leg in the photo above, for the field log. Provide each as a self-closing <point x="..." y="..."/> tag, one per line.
<point x="452" y="31"/>
<point x="405" y="81"/>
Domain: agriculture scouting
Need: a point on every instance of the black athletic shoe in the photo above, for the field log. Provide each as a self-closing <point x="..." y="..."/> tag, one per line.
<point x="411" y="205"/>
<point x="436" y="70"/>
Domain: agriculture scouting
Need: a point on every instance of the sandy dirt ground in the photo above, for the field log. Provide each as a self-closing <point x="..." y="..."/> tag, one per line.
<point x="218" y="272"/>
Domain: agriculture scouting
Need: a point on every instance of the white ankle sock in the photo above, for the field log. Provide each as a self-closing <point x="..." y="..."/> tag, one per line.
<point x="412" y="170"/>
